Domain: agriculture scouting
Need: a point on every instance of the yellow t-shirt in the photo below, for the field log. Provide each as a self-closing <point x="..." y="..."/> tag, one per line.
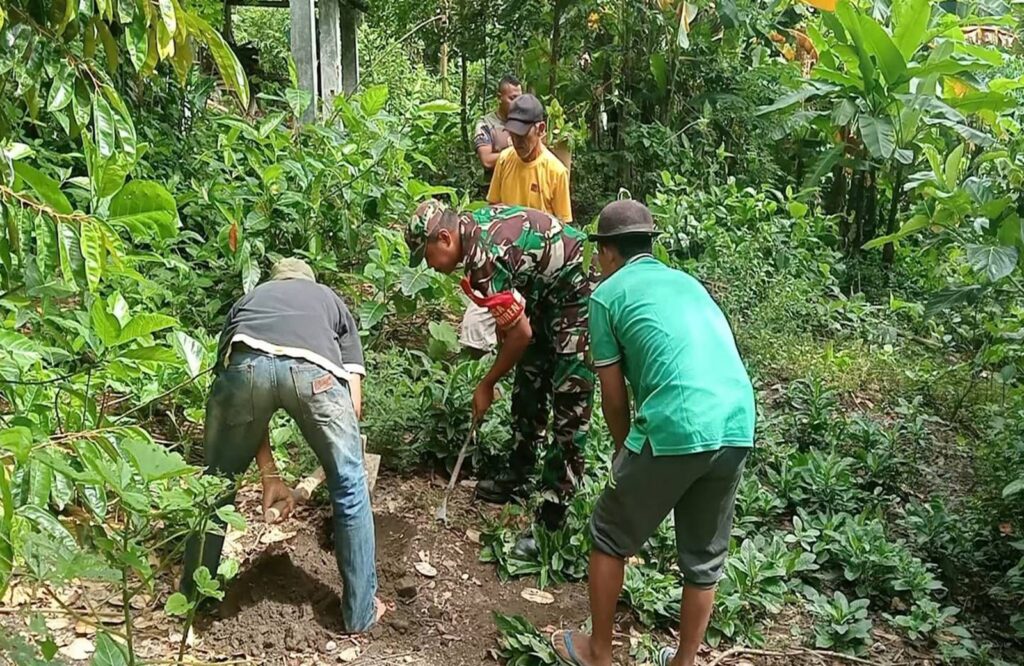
<point x="542" y="184"/>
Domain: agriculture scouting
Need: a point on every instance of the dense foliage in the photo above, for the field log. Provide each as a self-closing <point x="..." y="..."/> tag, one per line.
<point x="847" y="185"/>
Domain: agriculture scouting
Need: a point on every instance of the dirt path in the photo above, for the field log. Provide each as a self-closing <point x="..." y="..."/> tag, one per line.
<point x="284" y="606"/>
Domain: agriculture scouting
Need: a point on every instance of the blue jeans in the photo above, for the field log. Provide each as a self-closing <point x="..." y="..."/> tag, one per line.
<point x="243" y="398"/>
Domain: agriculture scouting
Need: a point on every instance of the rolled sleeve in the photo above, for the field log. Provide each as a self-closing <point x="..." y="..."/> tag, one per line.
<point x="603" y="344"/>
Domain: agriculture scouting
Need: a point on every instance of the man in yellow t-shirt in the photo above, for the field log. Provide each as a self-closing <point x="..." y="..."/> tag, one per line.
<point x="528" y="174"/>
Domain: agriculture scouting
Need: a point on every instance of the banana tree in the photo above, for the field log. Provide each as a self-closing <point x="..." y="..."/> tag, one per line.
<point x="882" y="88"/>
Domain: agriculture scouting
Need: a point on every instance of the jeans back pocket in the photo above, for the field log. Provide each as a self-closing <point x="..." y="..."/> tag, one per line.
<point x="321" y="394"/>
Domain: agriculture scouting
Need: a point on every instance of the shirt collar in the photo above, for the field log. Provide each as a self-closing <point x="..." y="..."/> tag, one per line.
<point x="645" y="255"/>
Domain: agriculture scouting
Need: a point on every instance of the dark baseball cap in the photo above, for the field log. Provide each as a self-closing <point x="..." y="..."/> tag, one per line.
<point x="624" y="218"/>
<point x="525" y="112"/>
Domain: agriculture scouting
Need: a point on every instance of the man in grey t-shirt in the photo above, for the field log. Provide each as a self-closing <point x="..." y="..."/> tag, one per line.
<point x="292" y="344"/>
<point x="490" y="137"/>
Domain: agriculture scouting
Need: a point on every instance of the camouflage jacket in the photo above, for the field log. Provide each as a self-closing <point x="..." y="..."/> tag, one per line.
<point x="522" y="251"/>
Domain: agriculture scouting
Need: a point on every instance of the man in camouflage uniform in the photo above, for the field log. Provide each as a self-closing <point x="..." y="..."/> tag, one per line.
<point x="526" y="267"/>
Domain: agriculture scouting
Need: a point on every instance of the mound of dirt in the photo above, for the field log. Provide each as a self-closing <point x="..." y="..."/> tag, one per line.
<point x="287" y="601"/>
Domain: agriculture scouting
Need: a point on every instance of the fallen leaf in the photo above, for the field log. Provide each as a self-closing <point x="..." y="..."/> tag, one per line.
<point x="426" y="569"/>
<point x="58" y="623"/>
<point x="17" y="595"/>
<point x="79" y="649"/>
<point x="473" y="536"/>
<point x="84" y="628"/>
<point x="275" y="535"/>
<point x="537" y="596"/>
<point x="349" y="654"/>
<point x="140" y="601"/>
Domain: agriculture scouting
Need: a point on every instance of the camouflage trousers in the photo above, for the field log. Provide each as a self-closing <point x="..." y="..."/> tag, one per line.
<point x="555" y="380"/>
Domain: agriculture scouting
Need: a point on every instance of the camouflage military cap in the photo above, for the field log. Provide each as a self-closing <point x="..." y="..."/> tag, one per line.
<point x="427" y="215"/>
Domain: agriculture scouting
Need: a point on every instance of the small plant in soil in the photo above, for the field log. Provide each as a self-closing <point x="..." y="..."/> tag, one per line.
<point x="842" y="625"/>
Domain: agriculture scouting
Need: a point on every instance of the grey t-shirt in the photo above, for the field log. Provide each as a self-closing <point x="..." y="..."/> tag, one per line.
<point x="296" y="318"/>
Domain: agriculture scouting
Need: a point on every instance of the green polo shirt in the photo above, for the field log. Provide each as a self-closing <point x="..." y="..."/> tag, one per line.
<point x="690" y="388"/>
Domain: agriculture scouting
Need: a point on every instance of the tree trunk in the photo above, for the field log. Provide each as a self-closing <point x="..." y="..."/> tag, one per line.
<point x="870" y="226"/>
<point x="855" y="209"/>
<point x="556" y="45"/>
<point x="443" y="67"/>
<point x="465" y="98"/>
<point x="889" y="251"/>
<point x="836" y="197"/>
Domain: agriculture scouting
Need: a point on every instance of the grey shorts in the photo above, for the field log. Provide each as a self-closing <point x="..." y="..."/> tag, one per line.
<point x="699" y="487"/>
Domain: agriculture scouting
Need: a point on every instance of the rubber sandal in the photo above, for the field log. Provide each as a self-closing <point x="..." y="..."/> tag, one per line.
<point x="574" y="659"/>
<point x="666" y="655"/>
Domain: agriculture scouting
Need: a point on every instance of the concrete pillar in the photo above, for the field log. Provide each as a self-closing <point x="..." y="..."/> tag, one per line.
<point x="329" y="25"/>
<point x="349" y="53"/>
<point x="303" y="42"/>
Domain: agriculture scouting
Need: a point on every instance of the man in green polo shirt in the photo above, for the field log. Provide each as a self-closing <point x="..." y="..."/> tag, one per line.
<point x="692" y="426"/>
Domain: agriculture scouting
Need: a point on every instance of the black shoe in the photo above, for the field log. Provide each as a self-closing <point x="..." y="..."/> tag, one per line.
<point x="496" y="491"/>
<point x="526" y="548"/>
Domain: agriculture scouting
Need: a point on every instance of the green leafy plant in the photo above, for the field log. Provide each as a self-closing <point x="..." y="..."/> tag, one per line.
<point x="521" y="644"/>
<point x="842" y="624"/>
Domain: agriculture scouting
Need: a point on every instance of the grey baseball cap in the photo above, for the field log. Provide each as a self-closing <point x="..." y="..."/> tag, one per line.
<point x="525" y="112"/>
<point x="623" y="218"/>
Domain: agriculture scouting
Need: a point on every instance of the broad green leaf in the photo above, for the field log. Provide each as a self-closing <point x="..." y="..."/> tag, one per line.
<point x="17" y="440"/>
<point x="824" y="165"/>
<point x="947" y="298"/>
<point x="71" y="263"/>
<point x="146" y="208"/>
<point x="145" y="324"/>
<point x="415" y="280"/>
<point x="40" y="480"/>
<point x="1011" y="231"/>
<point x="250" y="270"/>
<point x="168" y="16"/>
<point x="849" y="18"/>
<point x="878" y="134"/>
<point x="659" y="69"/>
<point x="977" y="102"/>
<point x="954" y="165"/>
<point x="1013" y="487"/>
<point x="125" y="10"/>
<point x="63" y="490"/>
<point x="231" y="71"/>
<point x="371" y="313"/>
<point x="229" y="514"/>
<point x="108" y="652"/>
<point x="228" y="569"/>
<point x="177" y="605"/>
<point x="153" y="461"/>
<point x="993" y="261"/>
<point x="46" y="188"/>
<point x="890" y="61"/>
<point x="93" y="252"/>
<point x="153" y="354"/>
<point x="912" y="225"/>
<point x="110" y="49"/>
<point x="104" y="324"/>
<point x="104" y="126"/>
<point x="299" y="100"/>
<point x="439" y="106"/>
<point x="136" y="39"/>
<point x="62" y="90"/>
<point x="795" y="97"/>
<point x="189" y="350"/>
<point x="46" y="523"/>
<point x="47" y="257"/>
<point x="910" y="25"/>
<point x="373" y="100"/>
